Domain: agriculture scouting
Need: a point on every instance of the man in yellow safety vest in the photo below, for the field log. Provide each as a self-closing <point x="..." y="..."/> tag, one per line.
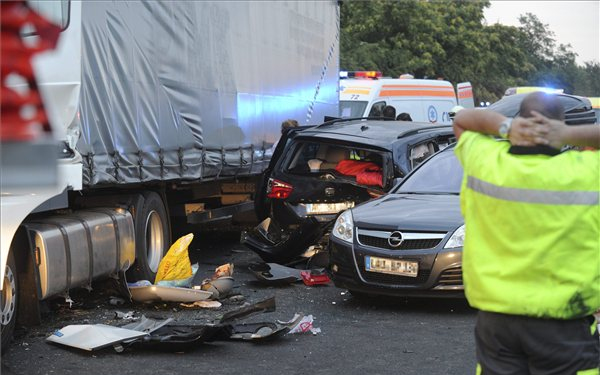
<point x="531" y="262"/>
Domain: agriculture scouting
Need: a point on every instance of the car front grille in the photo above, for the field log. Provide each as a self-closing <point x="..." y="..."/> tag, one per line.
<point x="411" y="241"/>
<point x="384" y="278"/>
<point x="382" y="243"/>
<point x="451" y="277"/>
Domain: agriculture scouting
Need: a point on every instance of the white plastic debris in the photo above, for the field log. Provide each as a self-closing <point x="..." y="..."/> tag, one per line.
<point x="167" y="294"/>
<point x="92" y="337"/>
<point x="304" y="325"/>
<point x="203" y="304"/>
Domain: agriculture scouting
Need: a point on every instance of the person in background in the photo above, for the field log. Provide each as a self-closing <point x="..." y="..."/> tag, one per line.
<point x="285" y="126"/>
<point x="531" y="260"/>
<point x="452" y="113"/>
<point x="404" y="117"/>
<point x="288" y="124"/>
<point x="389" y="112"/>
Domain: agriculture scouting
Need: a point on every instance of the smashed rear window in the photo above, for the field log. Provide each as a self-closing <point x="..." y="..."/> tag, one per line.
<point x="319" y="157"/>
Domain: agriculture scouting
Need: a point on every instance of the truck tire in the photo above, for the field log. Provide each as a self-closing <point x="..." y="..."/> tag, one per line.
<point x="8" y="306"/>
<point x="152" y="237"/>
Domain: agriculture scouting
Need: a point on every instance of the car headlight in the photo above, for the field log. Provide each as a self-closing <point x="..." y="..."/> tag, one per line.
<point x="457" y="239"/>
<point x="344" y="227"/>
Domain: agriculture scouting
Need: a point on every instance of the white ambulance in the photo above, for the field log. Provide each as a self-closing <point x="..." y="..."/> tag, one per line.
<point x="365" y="94"/>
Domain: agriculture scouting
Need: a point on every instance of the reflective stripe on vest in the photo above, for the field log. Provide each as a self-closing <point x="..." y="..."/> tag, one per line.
<point x="587" y="198"/>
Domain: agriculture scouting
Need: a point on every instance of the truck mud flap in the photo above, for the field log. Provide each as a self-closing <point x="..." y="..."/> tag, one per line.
<point x="274" y="245"/>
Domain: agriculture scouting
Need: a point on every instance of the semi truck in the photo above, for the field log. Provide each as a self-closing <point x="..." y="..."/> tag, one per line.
<point x="162" y="116"/>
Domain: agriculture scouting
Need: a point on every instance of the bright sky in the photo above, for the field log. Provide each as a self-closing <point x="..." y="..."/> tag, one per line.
<point x="573" y="22"/>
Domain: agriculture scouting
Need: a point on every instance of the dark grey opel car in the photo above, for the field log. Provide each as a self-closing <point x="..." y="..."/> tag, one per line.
<point x="408" y="242"/>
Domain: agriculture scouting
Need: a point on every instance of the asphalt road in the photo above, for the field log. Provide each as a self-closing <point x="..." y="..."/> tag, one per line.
<point x="381" y="336"/>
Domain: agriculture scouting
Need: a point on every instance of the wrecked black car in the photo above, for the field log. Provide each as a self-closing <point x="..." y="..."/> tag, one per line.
<point x="320" y="171"/>
<point x="578" y="109"/>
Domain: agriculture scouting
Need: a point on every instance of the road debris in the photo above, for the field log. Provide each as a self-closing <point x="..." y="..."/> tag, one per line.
<point x="125" y="315"/>
<point x="202" y="304"/>
<point x="315" y="277"/>
<point x="176" y="263"/>
<point x="92" y="336"/>
<point x="302" y="324"/>
<point x="175" y="279"/>
<point x="171" y="336"/>
<point x="221" y="282"/>
<point x="149" y="293"/>
<point x="273" y="273"/>
<point x="116" y="301"/>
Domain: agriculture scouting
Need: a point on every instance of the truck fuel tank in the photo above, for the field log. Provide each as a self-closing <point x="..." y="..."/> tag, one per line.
<point x="73" y="249"/>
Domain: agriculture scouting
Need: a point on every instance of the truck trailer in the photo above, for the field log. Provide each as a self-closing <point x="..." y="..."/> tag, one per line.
<point x="163" y="115"/>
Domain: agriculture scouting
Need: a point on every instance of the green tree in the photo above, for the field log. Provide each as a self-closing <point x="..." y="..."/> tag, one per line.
<point x="587" y="82"/>
<point x="450" y="39"/>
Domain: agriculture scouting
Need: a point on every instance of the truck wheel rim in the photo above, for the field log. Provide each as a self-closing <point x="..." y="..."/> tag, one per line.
<point x="8" y="296"/>
<point x="155" y="240"/>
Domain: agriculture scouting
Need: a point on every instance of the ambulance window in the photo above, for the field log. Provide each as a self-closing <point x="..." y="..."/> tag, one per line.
<point x="377" y="109"/>
<point x="352" y="108"/>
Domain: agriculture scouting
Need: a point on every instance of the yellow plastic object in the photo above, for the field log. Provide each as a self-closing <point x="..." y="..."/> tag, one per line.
<point x="176" y="264"/>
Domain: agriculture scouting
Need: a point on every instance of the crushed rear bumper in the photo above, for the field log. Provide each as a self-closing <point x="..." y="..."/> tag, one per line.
<point x="278" y="245"/>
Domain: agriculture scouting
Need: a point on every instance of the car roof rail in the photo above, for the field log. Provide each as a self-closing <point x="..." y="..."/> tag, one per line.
<point x="335" y="120"/>
<point x="422" y="130"/>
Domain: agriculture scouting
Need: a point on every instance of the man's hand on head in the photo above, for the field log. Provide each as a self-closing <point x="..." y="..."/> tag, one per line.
<point x="523" y="132"/>
<point x="548" y="131"/>
<point x="537" y="130"/>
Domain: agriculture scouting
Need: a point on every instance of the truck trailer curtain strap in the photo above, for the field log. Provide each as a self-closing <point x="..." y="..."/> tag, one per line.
<point x="588" y="198"/>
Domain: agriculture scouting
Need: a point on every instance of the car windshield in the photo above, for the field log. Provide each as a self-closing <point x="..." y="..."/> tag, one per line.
<point x="352" y="108"/>
<point x="440" y="174"/>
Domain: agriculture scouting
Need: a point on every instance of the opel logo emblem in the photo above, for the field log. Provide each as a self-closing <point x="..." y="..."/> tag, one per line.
<point x="330" y="192"/>
<point x="395" y="239"/>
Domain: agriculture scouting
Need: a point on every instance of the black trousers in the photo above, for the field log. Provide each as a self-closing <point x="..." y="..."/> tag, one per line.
<point x="520" y="345"/>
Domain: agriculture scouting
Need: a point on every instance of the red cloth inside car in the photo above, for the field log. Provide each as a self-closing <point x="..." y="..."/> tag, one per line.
<point x="366" y="172"/>
<point x="354" y="167"/>
<point x="370" y="178"/>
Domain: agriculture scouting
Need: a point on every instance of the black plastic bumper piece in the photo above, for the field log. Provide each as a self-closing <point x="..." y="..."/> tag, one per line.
<point x="289" y="246"/>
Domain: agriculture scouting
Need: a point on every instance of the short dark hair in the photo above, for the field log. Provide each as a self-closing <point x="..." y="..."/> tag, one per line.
<point x="547" y="104"/>
<point x="288" y="124"/>
<point x="389" y="112"/>
<point x="404" y="117"/>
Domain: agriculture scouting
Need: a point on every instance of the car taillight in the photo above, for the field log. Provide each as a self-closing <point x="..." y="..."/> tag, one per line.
<point x="278" y="189"/>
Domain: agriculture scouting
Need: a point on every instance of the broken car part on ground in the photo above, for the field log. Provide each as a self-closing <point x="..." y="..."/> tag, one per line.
<point x="167" y="335"/>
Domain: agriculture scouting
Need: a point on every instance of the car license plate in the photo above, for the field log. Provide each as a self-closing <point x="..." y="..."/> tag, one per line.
<point x="327" y="208"/>
<point x="391" y="266"/>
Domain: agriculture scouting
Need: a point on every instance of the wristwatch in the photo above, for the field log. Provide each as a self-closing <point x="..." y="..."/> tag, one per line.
<point x="504" y="128"/>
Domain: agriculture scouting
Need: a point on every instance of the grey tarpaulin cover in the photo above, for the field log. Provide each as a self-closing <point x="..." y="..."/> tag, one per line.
<point x="198" y="89"/>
